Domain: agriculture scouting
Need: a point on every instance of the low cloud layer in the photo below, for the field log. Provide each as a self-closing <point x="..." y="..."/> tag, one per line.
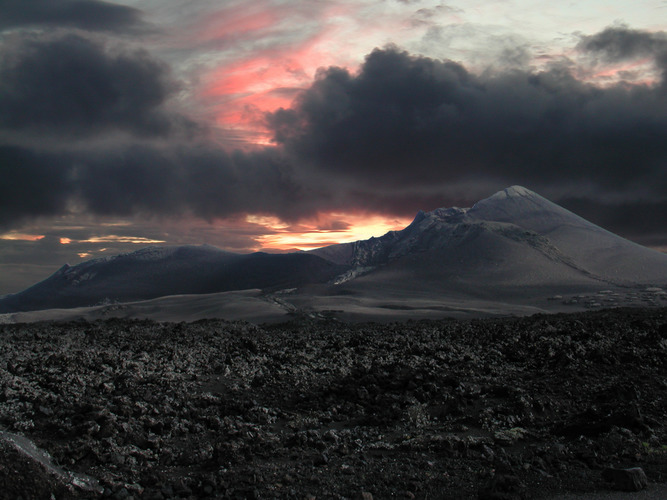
<point x="140" y="180"/>
<point x="33" y="184"/>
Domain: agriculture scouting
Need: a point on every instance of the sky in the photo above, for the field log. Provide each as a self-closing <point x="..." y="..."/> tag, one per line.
<point x="276" y="125"/>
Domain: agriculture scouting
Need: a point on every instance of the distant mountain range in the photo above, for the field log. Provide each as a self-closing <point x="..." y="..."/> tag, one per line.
<point x="515" y="242"/>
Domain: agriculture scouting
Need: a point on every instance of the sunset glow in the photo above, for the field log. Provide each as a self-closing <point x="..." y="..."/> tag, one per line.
<point x="112" y="238"/>
<point x="278" y="125"/>
<point x="12" y="236"/>
<point x="234" y="22"/>
<point x="241" y="92"/>
<point x="326" y="229"/>
<point x="238" y="92"/>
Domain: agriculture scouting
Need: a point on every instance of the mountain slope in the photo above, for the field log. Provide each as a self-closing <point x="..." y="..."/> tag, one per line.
<point x="513" y="238"/>
<point x="159" y="271"/>
<point x="593" y="248"/>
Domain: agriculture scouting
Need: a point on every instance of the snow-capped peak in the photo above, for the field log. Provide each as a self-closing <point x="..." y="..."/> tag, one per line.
<point x="526" y="209"/>
<point x="517" y="196"/>
<point x="517" y="190"/>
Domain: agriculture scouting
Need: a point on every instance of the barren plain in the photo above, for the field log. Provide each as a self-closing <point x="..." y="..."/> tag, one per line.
<point x="488" y="408"/>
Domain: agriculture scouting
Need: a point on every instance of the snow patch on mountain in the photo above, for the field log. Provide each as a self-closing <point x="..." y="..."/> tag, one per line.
<point x="351" y="274"/>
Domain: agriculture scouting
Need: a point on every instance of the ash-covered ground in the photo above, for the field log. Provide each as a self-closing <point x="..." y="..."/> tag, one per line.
<point x="494" y="408"/>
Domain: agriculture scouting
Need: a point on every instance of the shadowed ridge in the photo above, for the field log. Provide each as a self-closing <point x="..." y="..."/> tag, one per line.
<point x="172" y="270"/>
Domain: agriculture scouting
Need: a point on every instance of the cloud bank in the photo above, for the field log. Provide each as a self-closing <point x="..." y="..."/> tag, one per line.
<point x="409" y="120"/>
<point x="70" y="86"/>
<point x="94" y="15"/>
<point x="88" y="125"/>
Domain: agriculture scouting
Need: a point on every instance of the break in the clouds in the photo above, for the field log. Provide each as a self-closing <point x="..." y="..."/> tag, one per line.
<point x="85" y="14"/>
<point x="628" y="50"/>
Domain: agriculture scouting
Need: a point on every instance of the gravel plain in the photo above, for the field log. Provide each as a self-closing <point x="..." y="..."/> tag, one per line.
<point x="492" y="408"/>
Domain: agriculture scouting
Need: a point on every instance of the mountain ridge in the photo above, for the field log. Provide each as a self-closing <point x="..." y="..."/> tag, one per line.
<point x="508" y="242"/>
<point x="515" y="213"/>
<point x="172" y="270"/>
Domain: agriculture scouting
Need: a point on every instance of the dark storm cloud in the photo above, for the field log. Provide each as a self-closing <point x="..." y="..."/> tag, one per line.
<point x="31" y="185"/>
<point x="84" y="14"/>
<point x="413" y="121"/>
<point x="57" y="92"/>
<point x="74" y="86"/>
<point x="621" y="43"/>
<point x="642" y="221"/>
<point x="404" y="133"/>
<point x="617" y="44"/>
<point x="207" y="182"/>
<point x="144" y="180"/>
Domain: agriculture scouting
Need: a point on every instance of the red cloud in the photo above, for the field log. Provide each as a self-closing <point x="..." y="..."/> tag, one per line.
<point x="240" y="92"/>
<point x="272" y="62"/>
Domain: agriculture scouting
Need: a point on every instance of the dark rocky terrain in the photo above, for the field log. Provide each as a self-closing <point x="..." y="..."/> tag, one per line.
<point x="494" y="408"/>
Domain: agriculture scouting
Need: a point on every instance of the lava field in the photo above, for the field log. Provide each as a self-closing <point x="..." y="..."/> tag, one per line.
<point x="491" y="409"/>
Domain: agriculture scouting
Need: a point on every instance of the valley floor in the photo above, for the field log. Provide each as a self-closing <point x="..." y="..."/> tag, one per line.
<point x="490" y="408"/>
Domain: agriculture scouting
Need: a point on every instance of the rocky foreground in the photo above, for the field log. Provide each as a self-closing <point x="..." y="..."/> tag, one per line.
<point x="501" y="408"/>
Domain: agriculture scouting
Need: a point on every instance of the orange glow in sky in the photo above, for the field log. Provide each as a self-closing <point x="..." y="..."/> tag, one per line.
<point x="13" y="236"/>
<point x="326" y="229"/>
<point x="240" y="93"/>
<point x="111" y="238"/>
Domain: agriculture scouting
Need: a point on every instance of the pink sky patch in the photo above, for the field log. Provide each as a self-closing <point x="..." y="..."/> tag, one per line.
<point x="267" y="75"/>
<point x="237" y="20"/>
<point x="239" y="93"/>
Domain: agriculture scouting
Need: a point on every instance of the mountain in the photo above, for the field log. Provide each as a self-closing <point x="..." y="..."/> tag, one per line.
<point x="514" y="247"/>
<point x="514" y="238"/>
<point x="160" y="271"/>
